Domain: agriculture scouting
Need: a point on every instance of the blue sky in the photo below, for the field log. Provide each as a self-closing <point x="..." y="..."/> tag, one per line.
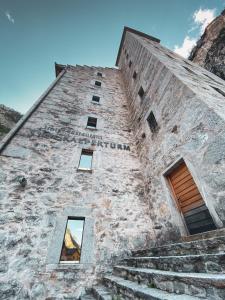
<point x="35" y="34"/>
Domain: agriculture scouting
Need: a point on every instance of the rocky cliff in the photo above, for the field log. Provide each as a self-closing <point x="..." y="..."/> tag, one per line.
<point x="210" y="49"/>
<point x="8" y="119"/>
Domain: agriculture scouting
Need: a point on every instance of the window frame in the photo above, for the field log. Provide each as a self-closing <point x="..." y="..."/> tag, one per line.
<point x="134" y="76"/>
<point x="98" y="83"/>
<point x="99" y="74"/>
<point x="64" y="262"/>
<point x="54" y="248"/>
<point x="93" y="121"/>
<point x="92" y="155"/>
<point x="94" y="101"/>
<point x="150" y="120"/>
<point x="141" y="93"/>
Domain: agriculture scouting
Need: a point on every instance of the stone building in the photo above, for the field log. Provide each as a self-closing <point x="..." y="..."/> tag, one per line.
<point x="109" y="164"/>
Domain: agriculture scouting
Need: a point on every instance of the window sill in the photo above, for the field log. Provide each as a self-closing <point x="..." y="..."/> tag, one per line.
<point x="96" y="103"/>
<point x="91" y="128"/>
<point x="68" y="267"/>
<point x="84" y="170"/>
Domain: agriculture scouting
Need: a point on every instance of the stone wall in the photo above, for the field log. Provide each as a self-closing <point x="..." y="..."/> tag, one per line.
<point x="46" y="151"/>
<point x="188" y="104"/>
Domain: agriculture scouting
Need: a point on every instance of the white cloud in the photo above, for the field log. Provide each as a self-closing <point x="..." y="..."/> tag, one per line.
<point x="9" y="17"/>
<point x="186" y="47"/>
<point x="201" y="18"/>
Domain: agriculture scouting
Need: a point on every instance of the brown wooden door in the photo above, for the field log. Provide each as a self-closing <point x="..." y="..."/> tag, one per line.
<point x="189" y="200"/>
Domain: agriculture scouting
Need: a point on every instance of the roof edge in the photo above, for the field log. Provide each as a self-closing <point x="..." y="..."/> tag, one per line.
<point x="59" y="68"/>
<point x="129" y="29"/>
<point x="27" y="115"/>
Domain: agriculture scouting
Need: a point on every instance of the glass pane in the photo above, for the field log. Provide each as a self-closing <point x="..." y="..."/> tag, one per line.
<point x="85" y="161"/>
<point x="71" y="250"/>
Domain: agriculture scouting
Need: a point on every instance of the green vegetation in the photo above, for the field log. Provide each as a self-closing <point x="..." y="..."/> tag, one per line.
<point x="4" y="129"/>
<point x="152" y="285"/>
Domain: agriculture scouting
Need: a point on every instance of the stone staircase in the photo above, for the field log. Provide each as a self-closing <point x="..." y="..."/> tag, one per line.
<point x="191" y="269"/>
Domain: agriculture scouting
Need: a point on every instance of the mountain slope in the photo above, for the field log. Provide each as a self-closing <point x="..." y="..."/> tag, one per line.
<point x="210" y="49"/>
<point x="8" y="119"/>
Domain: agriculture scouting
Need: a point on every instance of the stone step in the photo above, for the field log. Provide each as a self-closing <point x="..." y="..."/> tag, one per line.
<point x="204" y="235"/>
<point x="205" y="246"/>
<point x="195" y="284"/>
<point x="132" y="290"/>
<point x="100" y="292"/>
<point x="87" y="297"/>
<point x="205" y="263"/>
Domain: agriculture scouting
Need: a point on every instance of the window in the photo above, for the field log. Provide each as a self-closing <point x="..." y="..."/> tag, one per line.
<point x="99" y="74"/>
<point x="152" y="123"/>
<point x="96" y="99"/>
<point x="134" y="75"/>
<point x="127" y="56"/>
<point x="86" y="159"/>
<point x="130" y="63"/>
<point x="141" y="92"/>
<point x="72" y="243"/>
<point x="98" y="83"/>
<point x="92" y="122"/>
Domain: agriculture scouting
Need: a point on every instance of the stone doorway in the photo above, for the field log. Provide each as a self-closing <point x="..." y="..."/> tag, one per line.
<point x="189" y="200"/>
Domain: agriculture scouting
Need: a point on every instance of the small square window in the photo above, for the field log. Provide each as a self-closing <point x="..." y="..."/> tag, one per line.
<point x="153" y="125"/>
<point x="92" y="123"/>
<point x="96" y="99"/>
<point x="141" y="92"/>
<point x="72" y="242"/>
<point x="130" y="63"/>
<point x="134" y="75"/>
<point x="99" y="74"/>
<point x="86" y="160"/>
<point x="98" y="83"/>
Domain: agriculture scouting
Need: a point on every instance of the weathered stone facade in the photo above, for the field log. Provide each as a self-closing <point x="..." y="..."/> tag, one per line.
<point x="190" y="114"/>
<point x="46" y="151"/>
<point x="125" y="197"/>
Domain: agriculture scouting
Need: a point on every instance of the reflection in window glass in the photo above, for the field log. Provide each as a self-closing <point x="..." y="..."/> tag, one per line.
<point x="86" y="159"/>
<point x="71" y="250"/>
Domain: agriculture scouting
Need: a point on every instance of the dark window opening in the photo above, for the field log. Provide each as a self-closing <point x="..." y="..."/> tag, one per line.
<point x="96" y="99"/>
<point x="153" y="125"/>
<point x="125" y="51"/>
<point x="130" y="63"/>
<point x="141" y="92"/>
<point x="218" y="90"/>
<point x="127" y="56"/>
<point x="134" y="75"/>
<point x="98" y="83"/>
<point x="86" y="159"/>
<point x="99" y="74"/>
<point x="72" y="242"/>
<point x="92" y="122"/>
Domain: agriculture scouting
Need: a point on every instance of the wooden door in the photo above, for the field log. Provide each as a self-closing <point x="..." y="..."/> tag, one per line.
<point x="190" y="201"/>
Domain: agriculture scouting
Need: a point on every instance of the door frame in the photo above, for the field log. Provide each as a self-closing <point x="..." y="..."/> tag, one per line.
<point x="171" y="197"/>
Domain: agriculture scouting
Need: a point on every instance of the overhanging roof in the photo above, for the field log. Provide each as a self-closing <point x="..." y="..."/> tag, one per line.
<point x="128" y="29"/>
